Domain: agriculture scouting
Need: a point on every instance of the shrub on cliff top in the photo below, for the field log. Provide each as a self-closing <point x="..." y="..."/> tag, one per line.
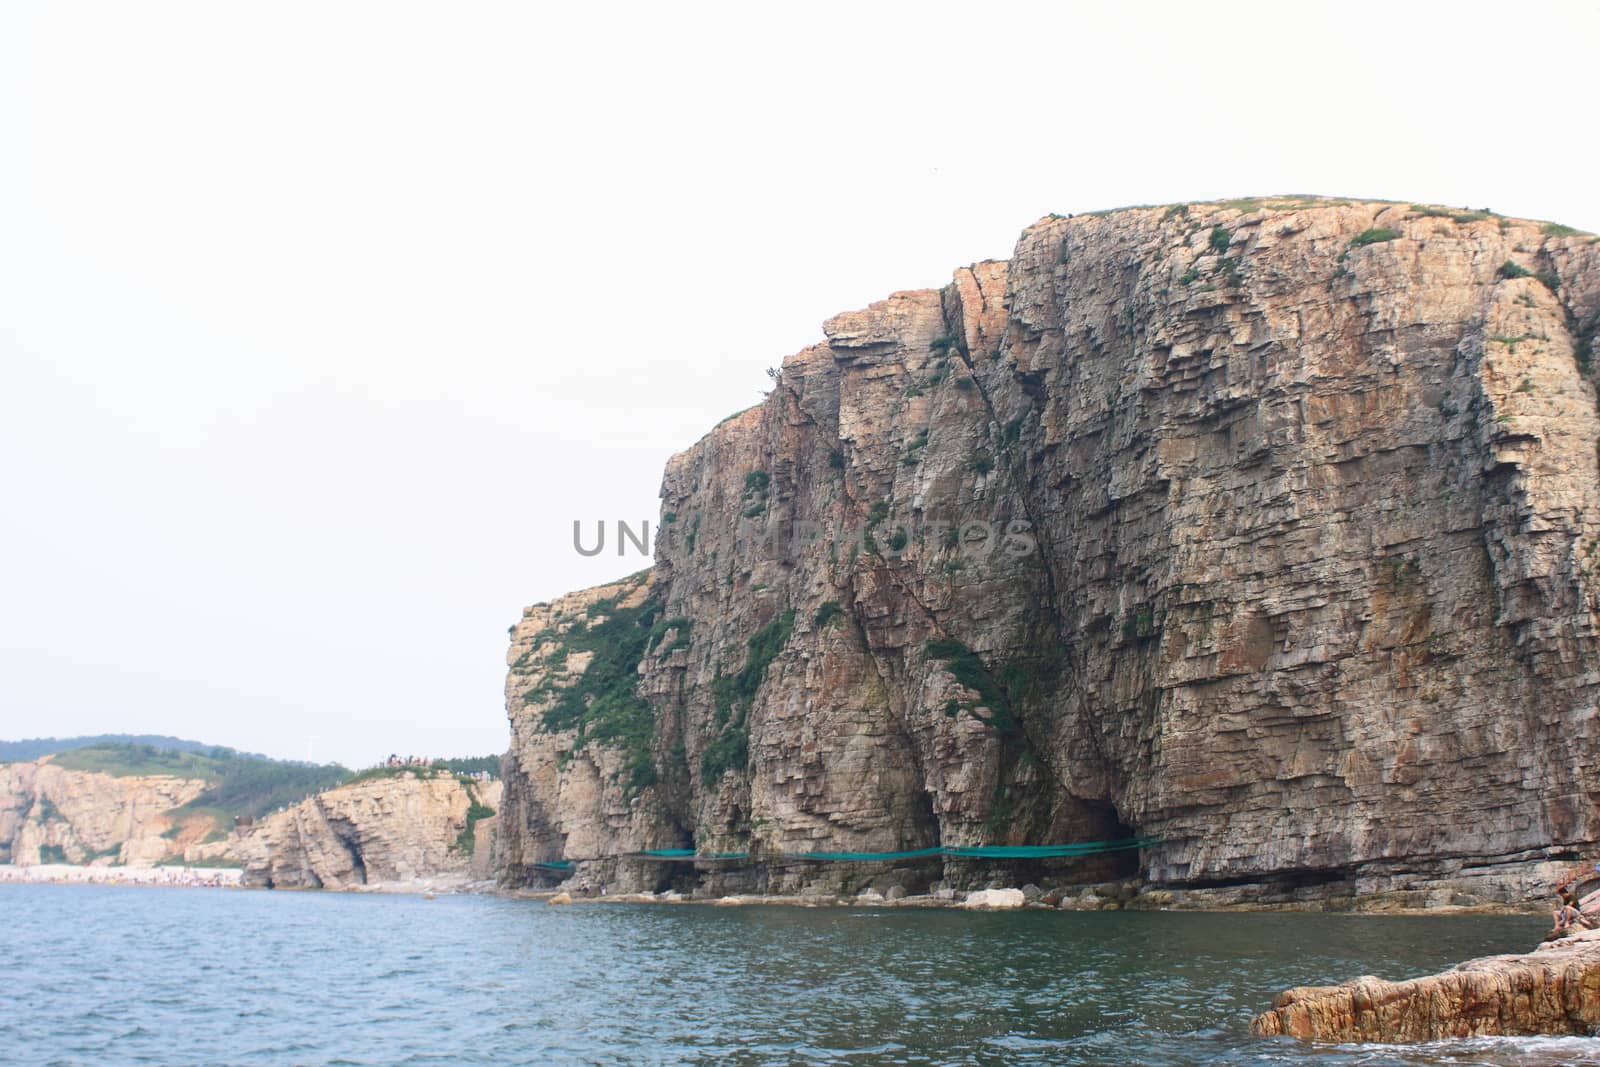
<point x="1434" y="211"/>
<point x="469" y="765"/>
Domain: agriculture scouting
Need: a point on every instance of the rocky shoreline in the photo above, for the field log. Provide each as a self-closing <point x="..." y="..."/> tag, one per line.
<point x="1123" y="896"/>
<point x="1553" y="990"/>
<point x="1105" y="897"/>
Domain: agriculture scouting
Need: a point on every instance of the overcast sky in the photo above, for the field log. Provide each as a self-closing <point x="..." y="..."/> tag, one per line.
<point x="320" y="323"/>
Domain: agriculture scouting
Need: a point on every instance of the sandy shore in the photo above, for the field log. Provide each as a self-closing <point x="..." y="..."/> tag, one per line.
<point x="70" y="874"/>
<point x="219" y="877"/>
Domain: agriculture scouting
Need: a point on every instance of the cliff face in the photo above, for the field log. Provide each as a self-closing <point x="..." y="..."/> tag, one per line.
<point x="1264" y="529"/>
<point x="48" y="813"/>
<point x="389" y="829"/>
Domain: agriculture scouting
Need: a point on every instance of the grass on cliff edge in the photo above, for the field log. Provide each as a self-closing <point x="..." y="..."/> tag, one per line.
<point x="464" y="765"/>
<point x="1301" y="201"/>
<point x="237" y="784"/>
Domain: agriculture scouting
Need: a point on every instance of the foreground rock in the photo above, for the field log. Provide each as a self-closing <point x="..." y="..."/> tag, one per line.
<point x="995" y="899"/>
<point x="1553" y="990"/>
<point x="1268" y="530"/>
<point x="401" y="830"/>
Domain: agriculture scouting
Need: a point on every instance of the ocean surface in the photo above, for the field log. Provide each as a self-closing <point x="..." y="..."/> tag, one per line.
<point x="128" y="975"/>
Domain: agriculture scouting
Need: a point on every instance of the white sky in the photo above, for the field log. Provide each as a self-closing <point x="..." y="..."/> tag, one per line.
<point x="321" y="322"/>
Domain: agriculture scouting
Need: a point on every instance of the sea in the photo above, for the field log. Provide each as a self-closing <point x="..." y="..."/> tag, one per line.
<point x="131" y="975"/>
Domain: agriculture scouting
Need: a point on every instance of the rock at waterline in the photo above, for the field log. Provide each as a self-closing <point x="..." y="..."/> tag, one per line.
<point x="994" y="899"/>
<point x="1554" y="989"/>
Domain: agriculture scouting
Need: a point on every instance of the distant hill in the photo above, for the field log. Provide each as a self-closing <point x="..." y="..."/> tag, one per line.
<point x="33" y="748"/>
<point x="240" y="783"/>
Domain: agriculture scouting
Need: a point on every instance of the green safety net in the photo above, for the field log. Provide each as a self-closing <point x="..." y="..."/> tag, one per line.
<point x="1008" y="852"/>
<point x="867" y="857"/>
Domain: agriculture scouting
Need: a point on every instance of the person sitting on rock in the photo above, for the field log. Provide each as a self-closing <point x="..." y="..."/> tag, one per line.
<point x="1568" y="918"/>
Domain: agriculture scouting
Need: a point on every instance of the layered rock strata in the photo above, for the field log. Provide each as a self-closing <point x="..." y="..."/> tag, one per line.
<point x="390" y="829"/>
<point x="51" y="814"/>
<point x="1266" y="530"/>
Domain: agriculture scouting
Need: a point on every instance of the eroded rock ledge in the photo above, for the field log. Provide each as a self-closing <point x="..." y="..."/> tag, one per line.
<point x="1553" y="990"/>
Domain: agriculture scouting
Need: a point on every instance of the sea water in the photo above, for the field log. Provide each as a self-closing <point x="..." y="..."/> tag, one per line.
<point x="128" y="975"/>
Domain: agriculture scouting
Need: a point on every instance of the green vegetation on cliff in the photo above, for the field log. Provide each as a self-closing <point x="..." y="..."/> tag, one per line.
<point x="1376" y="235"/>
<point x="604" y="705"/>
<point x="730" y="749"/>
<point x="467" y="840"/>
<point x="965" y="667"/>
<point x="239" y="784"/>
<point x="469" y="765"/>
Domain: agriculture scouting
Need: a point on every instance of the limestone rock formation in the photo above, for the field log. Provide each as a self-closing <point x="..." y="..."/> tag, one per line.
<point x="49" y="813"/>
<point x="1266" y="530"/>
<point x="388" y="829"/>
<point x="1553" y="990"/>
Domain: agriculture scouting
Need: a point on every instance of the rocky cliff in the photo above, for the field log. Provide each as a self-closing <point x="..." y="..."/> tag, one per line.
<point x="51" y="814"/>
<point x="1266" y="530"/>
<point x="397" y="828"/>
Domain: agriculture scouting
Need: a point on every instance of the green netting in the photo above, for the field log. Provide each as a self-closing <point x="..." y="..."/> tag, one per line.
<point x="1007" y="852"/>
<point x="1034" y="852"/>
<point x="867" y="857"/>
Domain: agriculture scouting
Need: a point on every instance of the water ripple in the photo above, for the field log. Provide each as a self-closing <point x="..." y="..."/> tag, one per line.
<point x="123" y="974"/>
